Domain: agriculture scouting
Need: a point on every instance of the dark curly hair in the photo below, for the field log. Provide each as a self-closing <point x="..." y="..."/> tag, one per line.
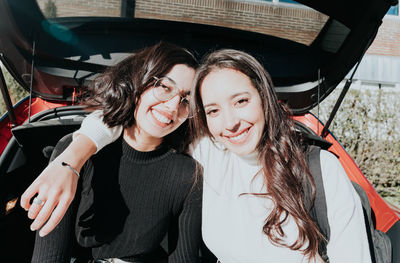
<point x="118" y="89"/>
<point x="279" y="151"/>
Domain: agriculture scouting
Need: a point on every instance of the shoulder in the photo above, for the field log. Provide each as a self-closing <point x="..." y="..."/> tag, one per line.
<point x="332" y="170"/>
<point x="200" y="147"/>
<point x="183" y="158"/>
<point x="339" y="190"/>
<point x="183" y="164"/>
<point x="329" y="159"/>
<point x="208" y="152"/>
<point x="333" y="173"/>
<point x="187" y="174"/>
<point x="110" y="153"/>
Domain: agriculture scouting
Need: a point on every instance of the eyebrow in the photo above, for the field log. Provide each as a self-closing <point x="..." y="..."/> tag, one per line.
<point x="173" y="81"/>
<point x="231" y="97"/>
<point x="186" y="93"/>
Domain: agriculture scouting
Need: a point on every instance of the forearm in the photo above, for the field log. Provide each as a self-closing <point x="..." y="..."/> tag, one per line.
<point x="78" y="152"/>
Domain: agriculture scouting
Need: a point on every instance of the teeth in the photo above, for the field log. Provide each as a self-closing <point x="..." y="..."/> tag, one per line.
<point x="239" y="137"/>
<point x="160" y="117"/>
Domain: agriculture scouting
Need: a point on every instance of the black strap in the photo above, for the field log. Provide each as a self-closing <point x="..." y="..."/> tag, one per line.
<point x="318" y="211"/>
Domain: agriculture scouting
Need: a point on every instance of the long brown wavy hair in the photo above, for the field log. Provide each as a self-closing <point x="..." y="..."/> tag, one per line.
<point x="118" y="89"/>
<point x="279" y="151"/>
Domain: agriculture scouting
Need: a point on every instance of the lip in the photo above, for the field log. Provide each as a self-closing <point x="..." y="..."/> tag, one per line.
<point x="165" y="114"/>
<point x="242" y="140"/>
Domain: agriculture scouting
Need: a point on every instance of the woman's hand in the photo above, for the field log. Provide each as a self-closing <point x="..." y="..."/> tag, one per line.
<point x="55" y="187"/>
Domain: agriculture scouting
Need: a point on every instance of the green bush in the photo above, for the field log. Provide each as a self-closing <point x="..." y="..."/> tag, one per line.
<point x="15" y="90"/>
<point x="50" y="9"/>
<point x="367" y="125"/>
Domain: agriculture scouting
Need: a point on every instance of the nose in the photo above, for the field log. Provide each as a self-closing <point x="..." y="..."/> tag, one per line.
<point x="231" y="121"/>
<point x="173" y="103"/>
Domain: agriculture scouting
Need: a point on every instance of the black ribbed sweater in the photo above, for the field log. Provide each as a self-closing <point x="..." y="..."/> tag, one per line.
<point x="126" y="203"/>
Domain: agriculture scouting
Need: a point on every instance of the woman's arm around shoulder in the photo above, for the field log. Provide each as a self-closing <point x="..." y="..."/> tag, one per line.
<point x="348" y="240"/>
<point x="56" y="185"/>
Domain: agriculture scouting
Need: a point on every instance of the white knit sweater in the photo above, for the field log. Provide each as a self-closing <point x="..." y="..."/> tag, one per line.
<point x="232" y="219"/>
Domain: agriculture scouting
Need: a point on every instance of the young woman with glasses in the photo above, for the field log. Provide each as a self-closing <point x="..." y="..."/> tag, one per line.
<point x="141" y="187"/>
<point x="254" y="169"/>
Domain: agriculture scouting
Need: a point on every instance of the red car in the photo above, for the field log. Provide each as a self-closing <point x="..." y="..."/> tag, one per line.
<point x="56" y="58"/>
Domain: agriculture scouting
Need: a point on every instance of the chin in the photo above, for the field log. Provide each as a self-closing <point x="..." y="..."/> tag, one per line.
<point x="242" y="152"/>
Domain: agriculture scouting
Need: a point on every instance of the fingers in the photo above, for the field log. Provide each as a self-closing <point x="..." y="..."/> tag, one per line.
<point x="42" y="214"/>
<point x="56" y="185"/>
<point x="56" y="217"/>
<point x="37" y="204"/>
<point x="26" y="197"/>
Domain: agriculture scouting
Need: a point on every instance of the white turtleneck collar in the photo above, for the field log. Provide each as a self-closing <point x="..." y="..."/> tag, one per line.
<point x="250" y="159"/>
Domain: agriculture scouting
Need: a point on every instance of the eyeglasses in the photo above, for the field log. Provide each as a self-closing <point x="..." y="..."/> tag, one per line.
<point x="165" y="89"/>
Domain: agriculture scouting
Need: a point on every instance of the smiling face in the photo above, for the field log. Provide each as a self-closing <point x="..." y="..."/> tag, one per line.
<point x="154" y="118"/>
<point x="234" y="111"/>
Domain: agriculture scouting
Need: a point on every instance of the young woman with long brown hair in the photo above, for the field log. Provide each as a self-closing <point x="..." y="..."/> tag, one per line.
<point x="254" y="169"/>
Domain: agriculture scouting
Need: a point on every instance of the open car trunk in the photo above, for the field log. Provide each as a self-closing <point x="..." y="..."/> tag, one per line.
<point x="65" y="54"/>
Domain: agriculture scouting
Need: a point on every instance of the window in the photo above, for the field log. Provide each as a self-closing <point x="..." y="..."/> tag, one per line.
<point x="394" y="10"/>
<point x="288" y="1"/>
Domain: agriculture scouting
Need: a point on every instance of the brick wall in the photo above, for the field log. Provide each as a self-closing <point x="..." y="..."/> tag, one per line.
<point x="85" y="7"/>
<point x="299" y="24"/>
<point x="387" y="42"/>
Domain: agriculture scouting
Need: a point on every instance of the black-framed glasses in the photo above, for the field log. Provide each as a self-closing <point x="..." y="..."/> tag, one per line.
<point x="165" y="89"/>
